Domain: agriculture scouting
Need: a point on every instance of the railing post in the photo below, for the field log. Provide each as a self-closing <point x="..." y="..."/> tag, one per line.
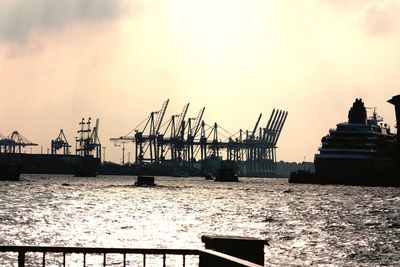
<point x="250" y="249"/>
<point x="21" y="258"/>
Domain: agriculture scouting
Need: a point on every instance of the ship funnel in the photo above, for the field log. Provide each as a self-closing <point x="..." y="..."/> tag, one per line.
<point x="396" y="102"/>
<point x="358" y="113"/>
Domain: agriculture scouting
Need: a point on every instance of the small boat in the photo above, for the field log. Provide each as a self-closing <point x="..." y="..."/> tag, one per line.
<point x="145" y="181"/>
<point x="226" y="175"/>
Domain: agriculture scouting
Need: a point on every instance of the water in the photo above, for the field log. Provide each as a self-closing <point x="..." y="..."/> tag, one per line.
<point x="304" y="224"/>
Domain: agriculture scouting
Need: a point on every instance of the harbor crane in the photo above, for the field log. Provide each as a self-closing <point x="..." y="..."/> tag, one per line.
<point x="142" y="141"/>
<point x="60" y="143"/>
<point x="192" y="133"/>
<point x="270" y="136"/>
<point x="14" y="142"/>
<point x="177" y="142"/>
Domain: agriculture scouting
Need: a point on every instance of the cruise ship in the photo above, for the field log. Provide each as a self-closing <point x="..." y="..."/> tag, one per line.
<point x="358" y="152"/>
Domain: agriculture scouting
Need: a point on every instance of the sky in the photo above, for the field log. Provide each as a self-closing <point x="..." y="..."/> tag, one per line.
<point x="118" y="60"/>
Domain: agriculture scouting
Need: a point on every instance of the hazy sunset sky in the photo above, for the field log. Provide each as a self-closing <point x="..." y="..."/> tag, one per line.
<point x="119" y="60"/>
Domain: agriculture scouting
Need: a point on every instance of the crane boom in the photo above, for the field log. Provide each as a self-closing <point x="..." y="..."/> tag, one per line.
<point x="122" y="138"/>
<point x="268" y="125"/>
<point x="255" y="127"/>
<point x="272" y="133"/>
<point x="160" y="116"/>
<point x="181" y="118"/>
<point x="197" y="122"/>
<point x="280" y="126"/>
<point x="96" y="132"/>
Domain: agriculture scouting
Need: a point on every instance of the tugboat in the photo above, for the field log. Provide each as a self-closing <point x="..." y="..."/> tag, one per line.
<point x="145" y="181"/>
<point x="361" y="151"/>
<point x="226" y="173"/>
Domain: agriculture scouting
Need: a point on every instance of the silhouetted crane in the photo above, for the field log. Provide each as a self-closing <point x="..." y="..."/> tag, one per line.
<point x="14" y="142"/>
<point x="60" y="143"/>
<point x="179" y="141"/>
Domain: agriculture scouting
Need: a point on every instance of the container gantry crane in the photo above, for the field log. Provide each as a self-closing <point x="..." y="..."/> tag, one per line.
<point x="179" y="142"/>
<point x="14" y="142"/>
<point x="144" y="142"/>
<point x="60" y="143"/>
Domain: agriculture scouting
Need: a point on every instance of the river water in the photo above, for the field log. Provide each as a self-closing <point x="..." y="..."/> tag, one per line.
<point x="304" y="224"/>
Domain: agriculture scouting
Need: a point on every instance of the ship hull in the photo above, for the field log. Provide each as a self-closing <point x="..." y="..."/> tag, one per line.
<point x="364" y="172"/>
<point x="51" y="164"/>
<point x="344" y="171"/>
<point x="86" y="167"/>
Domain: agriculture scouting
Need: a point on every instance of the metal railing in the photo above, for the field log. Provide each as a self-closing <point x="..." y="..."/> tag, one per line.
<point x="205" y="256"/>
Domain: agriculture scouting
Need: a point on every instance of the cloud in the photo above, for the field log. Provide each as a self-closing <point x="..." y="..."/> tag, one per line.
<point x="381" y="18"/>
<point x="20" y="18"/>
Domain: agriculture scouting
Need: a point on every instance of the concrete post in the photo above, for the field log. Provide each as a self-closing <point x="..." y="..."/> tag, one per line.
<point x="21" y="258"/>
<point x="250" y="249"/>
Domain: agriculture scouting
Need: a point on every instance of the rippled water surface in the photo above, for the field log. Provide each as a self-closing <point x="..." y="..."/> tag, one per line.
<point x="304" y="224"/>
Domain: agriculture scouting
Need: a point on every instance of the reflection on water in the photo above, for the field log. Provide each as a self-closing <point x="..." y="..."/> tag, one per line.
<point x="305" y="224"/>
